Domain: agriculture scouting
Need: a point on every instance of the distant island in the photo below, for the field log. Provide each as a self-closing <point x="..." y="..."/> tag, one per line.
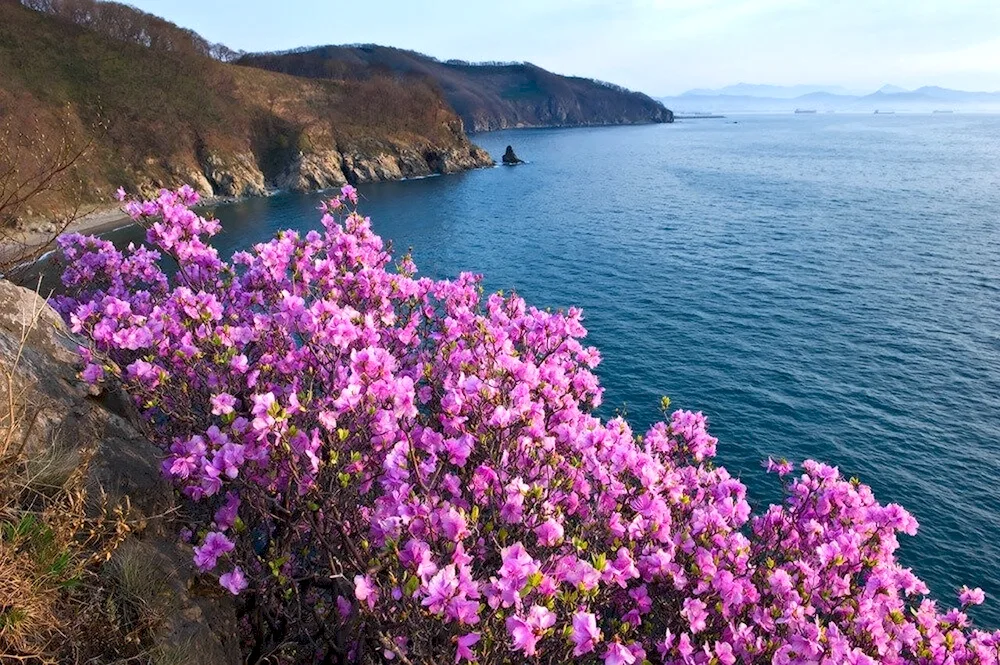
<point x="153" y="105"/>
<point x="744" y="97"/>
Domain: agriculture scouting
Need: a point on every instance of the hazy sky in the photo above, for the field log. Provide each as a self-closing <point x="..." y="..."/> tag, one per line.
<point x="658" y="46"/>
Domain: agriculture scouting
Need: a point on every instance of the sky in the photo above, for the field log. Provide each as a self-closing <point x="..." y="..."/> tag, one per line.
<point x="661" y="47"/>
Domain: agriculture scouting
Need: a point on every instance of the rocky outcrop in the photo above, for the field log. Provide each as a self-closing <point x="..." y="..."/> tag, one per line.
<point x="510" y="159"/>
<point x="238" y="175"/>
<point x="371" y="162"/>
<point x="381" y="166"/>
<point x="66" y="423"/>
<point x="461" y="160"/>
<point x="312" y="172"/>
<point x="196" y="178"/>
<point x="362" y="161"/>
<point x="241" y="175"/>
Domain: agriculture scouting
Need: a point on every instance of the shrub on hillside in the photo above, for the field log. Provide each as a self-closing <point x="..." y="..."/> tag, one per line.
<point x="394" y="468"/>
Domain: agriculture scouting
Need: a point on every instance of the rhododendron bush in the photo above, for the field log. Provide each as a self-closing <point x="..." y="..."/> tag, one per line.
<point x="390" y="468"/>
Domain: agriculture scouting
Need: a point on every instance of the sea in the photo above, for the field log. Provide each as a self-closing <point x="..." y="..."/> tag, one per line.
<point x="821" y="286"/>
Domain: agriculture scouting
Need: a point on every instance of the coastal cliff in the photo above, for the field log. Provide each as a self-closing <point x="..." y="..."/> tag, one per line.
<point x="163" y="112"/>
<point x="487" y="96"/>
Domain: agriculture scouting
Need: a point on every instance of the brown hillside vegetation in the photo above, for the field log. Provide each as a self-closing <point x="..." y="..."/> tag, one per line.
<point x="488" y="96"/>
<point x="159" y="111"/>
<point x="128" y="24"/>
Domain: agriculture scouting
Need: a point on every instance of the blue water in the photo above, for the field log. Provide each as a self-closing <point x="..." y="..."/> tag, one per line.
<point x="821" y="286"/>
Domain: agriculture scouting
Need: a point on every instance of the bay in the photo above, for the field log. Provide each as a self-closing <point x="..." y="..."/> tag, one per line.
<point x="822" y="286"/>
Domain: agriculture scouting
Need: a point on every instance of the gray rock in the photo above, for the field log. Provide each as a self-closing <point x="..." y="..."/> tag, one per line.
<point x="66" y="421"/>
<point x="371" y="161"/>
<point x="236" y="175"/>
<point x="313" y="171"/>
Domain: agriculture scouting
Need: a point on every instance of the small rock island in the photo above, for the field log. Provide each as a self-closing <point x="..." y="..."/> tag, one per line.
<point x="510" y="159"/>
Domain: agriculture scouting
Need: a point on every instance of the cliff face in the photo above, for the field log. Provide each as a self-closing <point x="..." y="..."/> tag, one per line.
<point x="160" y="118"/>
<point x="486" y="96"/>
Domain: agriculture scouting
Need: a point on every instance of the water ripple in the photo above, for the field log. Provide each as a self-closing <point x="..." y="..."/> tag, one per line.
<point x="821" y="286"/>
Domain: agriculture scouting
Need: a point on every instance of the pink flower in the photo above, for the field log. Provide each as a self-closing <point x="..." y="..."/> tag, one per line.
<point x="239" y="364"/>
<point x="234" y="581"/>
<point x="549" y="532"/>
<point x="724" y="653"/>
<point x="464" y="611"/>
<point x="541" y="618"/>
<point x="344" y="607"/>
<point x="617" y="654"/>
<point x="969" y="596"/>
<point x="92" y="373"/>
<point x="229" y="458"/>
<point x="328" y="420"/>
<point x="781" y="467"/>
<point x="365" y="591"/>
<point x="223" y="404"/>
<point x="226" y="515"/>
<point x="215" y="545"/>
<point x="147" y="374"/>
<point x="453" y="525"/>
<point x="521" y="634"/>
<point x="517" y="564"/>
<point x="525" y="633"/>
<point x="695" y="612"/>
<point x="349" y="193"/>
<point x="440" y="589"/>
<point x="585" y="633"/>
<point x="187" y="195"/>
<point x="583" y="575"/>
<point x="458" y="449"/>
<point x="465" y="644"/>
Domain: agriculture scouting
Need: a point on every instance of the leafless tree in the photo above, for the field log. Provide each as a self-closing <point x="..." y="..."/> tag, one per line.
<point x="38" y="165"/>
<point x="128" y="24"/>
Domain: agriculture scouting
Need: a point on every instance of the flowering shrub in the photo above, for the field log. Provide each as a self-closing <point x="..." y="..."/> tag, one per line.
<point x="397" y="468"/>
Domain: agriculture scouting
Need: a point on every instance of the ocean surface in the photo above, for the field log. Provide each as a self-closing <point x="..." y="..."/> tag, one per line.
<point x="822" y="286"/>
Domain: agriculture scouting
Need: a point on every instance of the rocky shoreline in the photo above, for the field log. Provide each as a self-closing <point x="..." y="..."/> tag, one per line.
<point x="239" y="176"/>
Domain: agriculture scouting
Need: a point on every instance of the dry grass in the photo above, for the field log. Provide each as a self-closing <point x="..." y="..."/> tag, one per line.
<point x="137" y="587"/>
<point x="52" y="539"/>
<point x="27" y="615"/>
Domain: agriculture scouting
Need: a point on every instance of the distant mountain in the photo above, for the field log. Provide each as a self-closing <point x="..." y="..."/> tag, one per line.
<point x="886" y="98"/>
<point x="889" y="89"/>
<point x="959" y="96"/>
<point x="768" y="91"/>
<point x="487" y="96"/>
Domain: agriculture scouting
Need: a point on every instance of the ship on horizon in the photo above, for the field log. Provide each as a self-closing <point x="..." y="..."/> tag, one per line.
<point x="805" y="110"/>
